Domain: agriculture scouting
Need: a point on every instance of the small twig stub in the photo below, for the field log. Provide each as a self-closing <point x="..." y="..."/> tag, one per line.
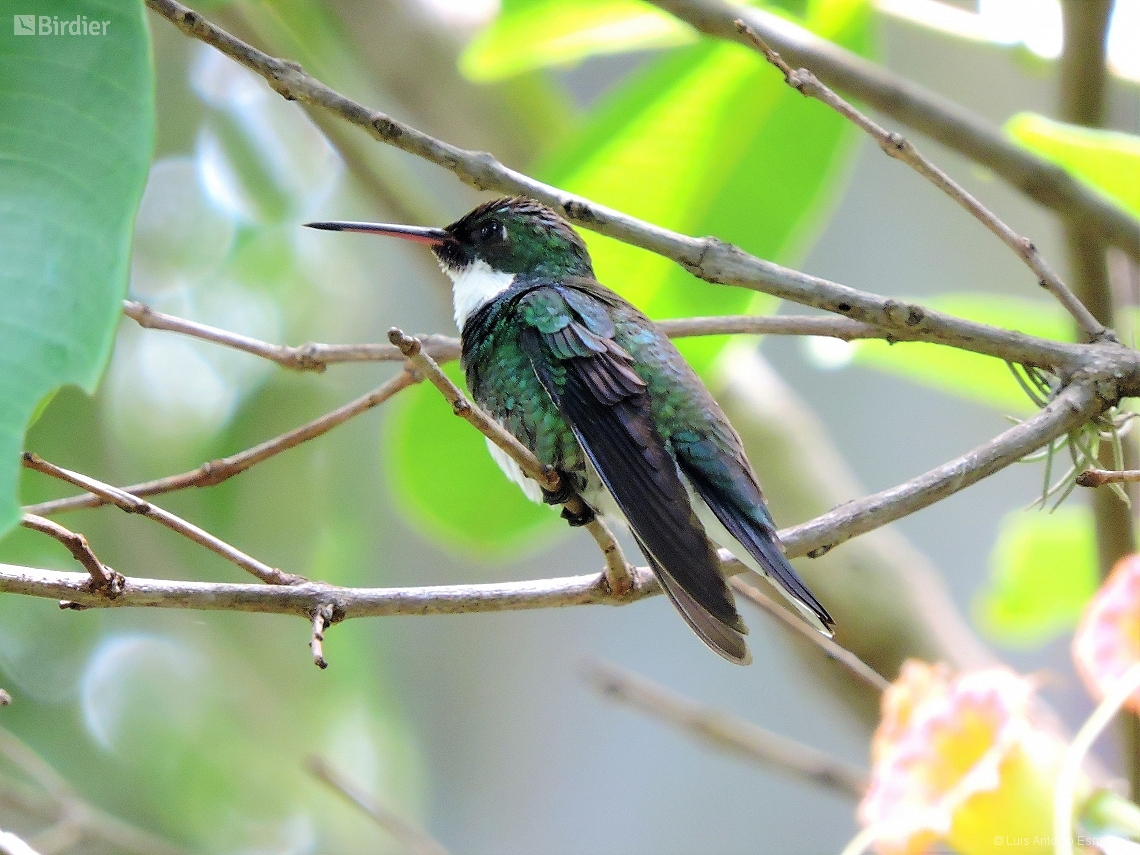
<point x="323" y="618"/>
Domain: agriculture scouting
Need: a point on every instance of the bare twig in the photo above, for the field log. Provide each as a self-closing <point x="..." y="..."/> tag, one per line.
<point x="103" y="578"/>
<point x="413" y="839"/>
<point x="1072" y="408"/>
<point x="618" y="571"/>
<point x="728" y="733"/>
<point x="323" y="617"/>
<point x="217" y="471"/>
<point x="921" y="109"/>
<point x="134" y="505"/>
<point x="896" y="146"/>
<point x="64" y="805"/>
<point x="411" y="348"/>
<point x="620" y="575"/>
<point x="1099" y="477"/>
<point x="818" y="325"/>
<point x="831" y="649"/>
<point x="306" y="357"/>
<point x="66" y="833"/>
<point x="303" y="598"/>
<point x="314" y="356"/>
<point x="708" y="258"/>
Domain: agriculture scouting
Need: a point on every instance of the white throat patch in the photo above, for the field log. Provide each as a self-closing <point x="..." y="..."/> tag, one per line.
<point x="476" y="286"/>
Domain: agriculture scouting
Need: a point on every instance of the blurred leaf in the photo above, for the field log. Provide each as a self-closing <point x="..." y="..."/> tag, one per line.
<point x="212" y="748"/>
<point x="541" y="33"/>
<point x="970" y="375"/>
<point x="709" y="140"/>
<point x="706" y="140"/>
<point x="76" y="132"/>
<point x="1108" y="161"/>
<point x="439" y="465"/>
<point x="1043" y="570"/>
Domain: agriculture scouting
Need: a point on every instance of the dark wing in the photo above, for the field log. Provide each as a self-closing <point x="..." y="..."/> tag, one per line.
<point x="724" y="479"/>
<point x="711" y="456"/>
<point x="592" y="382"/>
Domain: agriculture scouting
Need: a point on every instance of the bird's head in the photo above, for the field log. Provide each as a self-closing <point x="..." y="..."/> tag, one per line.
<point x="509" y="236"/>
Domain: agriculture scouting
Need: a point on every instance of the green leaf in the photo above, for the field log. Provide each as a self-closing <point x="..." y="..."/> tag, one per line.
<point x="439" y="464"/>
<point x="1108" y="161"/>
<point x="978" y="378"/>
<point x="76" y="132"/>
<point x="710" y="140"/>
<point x="542" y="33"/>
<point x="1043" y="570"/>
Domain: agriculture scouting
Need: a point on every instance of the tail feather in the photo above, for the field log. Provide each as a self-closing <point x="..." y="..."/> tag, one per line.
<point x="760" y="542"/>
<point x="721" y="638"/>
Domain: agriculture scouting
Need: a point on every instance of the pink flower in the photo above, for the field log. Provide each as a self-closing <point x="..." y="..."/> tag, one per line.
<point x="1107" y="642"/>
<point x="958" y="758"/>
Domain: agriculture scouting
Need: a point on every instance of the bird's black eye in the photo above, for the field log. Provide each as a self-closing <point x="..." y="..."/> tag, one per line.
<point x="491" y="232"/>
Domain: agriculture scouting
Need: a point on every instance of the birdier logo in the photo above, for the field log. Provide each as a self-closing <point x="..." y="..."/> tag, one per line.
<point x="53" y="25"/>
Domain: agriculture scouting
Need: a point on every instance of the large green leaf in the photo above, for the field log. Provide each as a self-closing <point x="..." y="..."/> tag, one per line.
<point x="707" y="139"/>
<point x="76" y="132"/>
<point x="1108" y="161"/>
<point x="541" y="33"/>
<point x="1043" y="570"/>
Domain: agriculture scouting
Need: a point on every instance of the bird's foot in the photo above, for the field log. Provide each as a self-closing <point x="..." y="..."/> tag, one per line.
<point x="580" y="516"/>
<point x="561" y="496"/>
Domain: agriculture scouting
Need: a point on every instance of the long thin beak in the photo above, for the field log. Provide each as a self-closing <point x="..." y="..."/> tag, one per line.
<point x="419" y="234"/>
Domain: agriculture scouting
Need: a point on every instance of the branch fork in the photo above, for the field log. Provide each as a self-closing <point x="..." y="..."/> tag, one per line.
<point x="104" y="580"/>
<point x="896" y="146"/>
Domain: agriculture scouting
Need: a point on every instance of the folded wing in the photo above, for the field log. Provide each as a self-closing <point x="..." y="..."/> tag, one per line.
<point x="591" y="380"/>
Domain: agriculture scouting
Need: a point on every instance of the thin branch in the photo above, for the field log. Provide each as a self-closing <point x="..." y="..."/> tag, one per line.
<point x="896" y="146"/>
<point x="1071" y="409"/>
<point x="845" y="329"/>
<point x="411" y="348"/>
<point x="134" y="505"/>
<point x="922" y="109"/>
<point x="103" y="578"/>
<point x="620" y="574"/>
<point x="63" y="803"/>
<point x="413" y="839"/>
<point x="830" y="648"/>
<point x="317" y="357"/>
<point x="728" y="733"/>
<point x="305" y="357"/>
<point x="303" y="598"/>
<point x="1074" y="407"/>
<point x="1099" y="477"/>
<point x="60" y="837"/>
<point x="707" y="258"/>
<point x="217" y="471"/>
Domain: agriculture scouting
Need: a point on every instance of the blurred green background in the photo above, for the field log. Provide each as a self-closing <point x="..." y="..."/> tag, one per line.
<point x="196" y="726"/>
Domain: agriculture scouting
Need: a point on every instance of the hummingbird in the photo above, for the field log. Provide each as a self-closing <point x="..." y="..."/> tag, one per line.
<point x="595" y="390"/>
